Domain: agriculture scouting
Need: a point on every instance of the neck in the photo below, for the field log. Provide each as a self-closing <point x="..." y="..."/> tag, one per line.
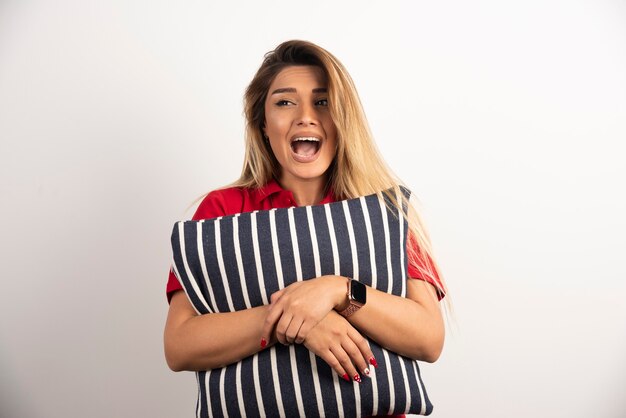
<point x="306" y="192"/>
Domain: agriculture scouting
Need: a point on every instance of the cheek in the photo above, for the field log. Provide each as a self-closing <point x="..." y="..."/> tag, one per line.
<point x="331" y="132"/>
<point x="275" y="123"/>
<point x="329" y="125"/>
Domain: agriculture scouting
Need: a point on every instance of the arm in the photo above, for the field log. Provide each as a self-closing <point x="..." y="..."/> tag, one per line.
<point x="411" y="326"/>
<point x="201" y="342"/>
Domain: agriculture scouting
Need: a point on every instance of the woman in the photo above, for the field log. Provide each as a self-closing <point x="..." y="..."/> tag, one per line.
<point x="307" y="143"/>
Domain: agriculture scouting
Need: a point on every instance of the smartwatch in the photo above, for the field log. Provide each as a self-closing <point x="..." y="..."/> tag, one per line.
<point x="357" y="296"/>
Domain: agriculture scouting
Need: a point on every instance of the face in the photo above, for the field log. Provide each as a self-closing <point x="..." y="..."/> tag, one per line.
<point x="301" y="132"/>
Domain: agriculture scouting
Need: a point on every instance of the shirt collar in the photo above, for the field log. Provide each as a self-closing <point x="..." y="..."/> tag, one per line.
<point x="273" y="188"/>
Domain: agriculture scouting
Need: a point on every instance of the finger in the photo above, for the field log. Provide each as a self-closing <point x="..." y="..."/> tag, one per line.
<point x="305" y="328"/>
<point x="356" y="357"/>
<point x="274" y="314"/>
<point x="281" y="328"/>
<point x="276" y="295"/>
<point x="293" y="330"/>
<point x="364" y="347"/>
<point x="344" y="359"/>
<point x="334" y="364"/>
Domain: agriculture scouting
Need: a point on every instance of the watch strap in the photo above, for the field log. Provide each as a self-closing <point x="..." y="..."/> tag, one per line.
<point x="353" y="305"/>
<point x="352" y="308"/>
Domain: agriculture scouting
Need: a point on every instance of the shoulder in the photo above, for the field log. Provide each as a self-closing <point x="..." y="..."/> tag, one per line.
<point x="232" y="200"/>
<point x="221" y="202"/>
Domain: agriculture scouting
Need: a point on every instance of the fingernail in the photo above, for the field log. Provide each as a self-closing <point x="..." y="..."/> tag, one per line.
<point x="357" y="378"/>
<point x="373" y="362"/>
<point x="366" y="372"/>
<point x="263" y="343"/>
<point x="345" y="377"/>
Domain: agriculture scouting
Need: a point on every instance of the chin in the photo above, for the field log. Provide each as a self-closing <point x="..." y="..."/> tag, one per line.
<point x="313" y="172"/>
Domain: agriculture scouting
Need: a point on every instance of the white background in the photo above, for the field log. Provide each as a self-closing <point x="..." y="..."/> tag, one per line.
<point x="508" y="119"/>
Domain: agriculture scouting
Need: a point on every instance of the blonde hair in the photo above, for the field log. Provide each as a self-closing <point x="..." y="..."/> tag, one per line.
<point x="358" y="168"/>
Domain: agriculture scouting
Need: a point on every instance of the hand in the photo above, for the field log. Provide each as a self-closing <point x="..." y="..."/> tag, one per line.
<point x="296" y="309"/>
<point x="340" y="345"/>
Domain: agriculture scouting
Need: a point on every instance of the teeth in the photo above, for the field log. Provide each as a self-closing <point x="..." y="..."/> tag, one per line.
<point x="307" y="138"/>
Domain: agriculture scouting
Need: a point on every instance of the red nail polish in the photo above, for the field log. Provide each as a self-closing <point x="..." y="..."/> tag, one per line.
<point x="373" y="362"/>
<point x="263" y="343"/>
<point x="345" y="377"/>
<point x="357" y="378"/>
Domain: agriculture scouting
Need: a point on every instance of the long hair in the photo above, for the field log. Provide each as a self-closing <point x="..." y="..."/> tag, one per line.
<point x="358" y="168"/>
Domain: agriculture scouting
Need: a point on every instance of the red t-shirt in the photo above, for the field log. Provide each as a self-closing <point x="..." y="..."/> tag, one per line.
<point x="234" y="200"/>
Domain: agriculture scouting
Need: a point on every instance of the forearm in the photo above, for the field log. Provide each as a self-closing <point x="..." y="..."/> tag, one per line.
<point x="412" y="326"/>
<point x="202" y="342"/>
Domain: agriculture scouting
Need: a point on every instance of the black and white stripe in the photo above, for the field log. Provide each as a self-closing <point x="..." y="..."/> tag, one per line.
<point x="236" y="262"/>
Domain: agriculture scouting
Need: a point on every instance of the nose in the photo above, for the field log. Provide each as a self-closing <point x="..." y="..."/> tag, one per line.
<point x="307" y="115"/>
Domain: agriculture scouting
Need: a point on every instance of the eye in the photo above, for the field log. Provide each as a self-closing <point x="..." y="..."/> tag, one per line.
<point x="322" y="102"/>
<point x="284" y="103"/>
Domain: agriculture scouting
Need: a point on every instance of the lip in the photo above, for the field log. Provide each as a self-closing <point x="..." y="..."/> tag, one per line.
<point x="304" y="135"/>
<point x="306" y="159"/>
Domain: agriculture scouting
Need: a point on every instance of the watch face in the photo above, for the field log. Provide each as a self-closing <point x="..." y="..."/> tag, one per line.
<point x="358" y="292"/>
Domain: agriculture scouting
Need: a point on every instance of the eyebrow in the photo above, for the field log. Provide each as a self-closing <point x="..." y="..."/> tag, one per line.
<point x="293" y="90"/>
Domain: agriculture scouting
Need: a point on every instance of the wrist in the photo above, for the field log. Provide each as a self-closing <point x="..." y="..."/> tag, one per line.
<point x="357" y="297"/>
<point x="340" y="290"/>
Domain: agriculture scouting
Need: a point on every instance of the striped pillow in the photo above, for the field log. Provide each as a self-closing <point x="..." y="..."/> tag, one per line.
<point x="236" y="262"/>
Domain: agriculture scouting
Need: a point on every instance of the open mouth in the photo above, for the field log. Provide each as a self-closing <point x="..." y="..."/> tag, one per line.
<point x="305" y="148"/>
